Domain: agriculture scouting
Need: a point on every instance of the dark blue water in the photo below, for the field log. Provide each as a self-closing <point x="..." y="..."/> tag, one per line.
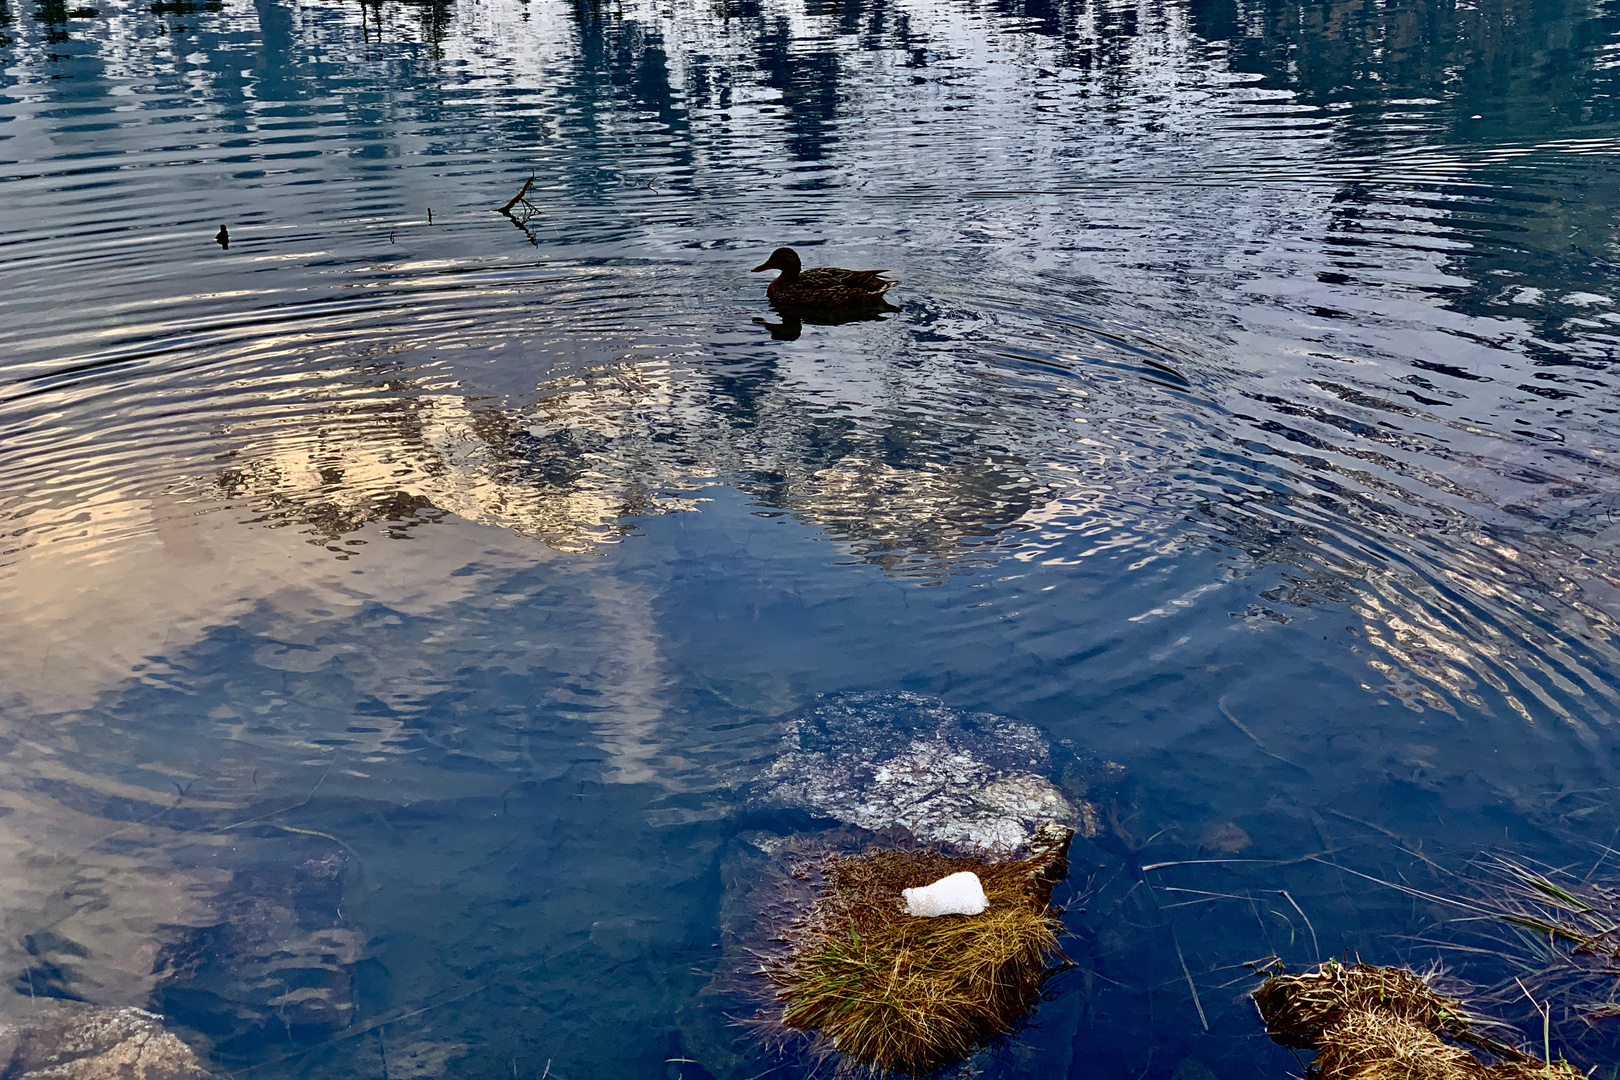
<point x="399" y="601"/>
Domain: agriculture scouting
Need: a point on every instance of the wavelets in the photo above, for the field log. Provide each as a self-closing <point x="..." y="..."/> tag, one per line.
<point x="280" y="399"/>
<point x="1225" y="368"/>
<point x="1376" y="503"/>
<point x="197" y="345"/>
<point x="1089" y="298"/>
<point x="1450" y="608"/>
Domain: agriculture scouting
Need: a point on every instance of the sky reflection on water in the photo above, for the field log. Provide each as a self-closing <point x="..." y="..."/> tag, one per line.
<point x="1248" y="420"/>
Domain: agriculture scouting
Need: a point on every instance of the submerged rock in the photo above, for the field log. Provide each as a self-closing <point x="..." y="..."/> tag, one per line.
<point x="63" y="1041"/>
<point x="974" y="781"/>
<point x="421" y="1059"/>
<point x="892" y="770"/>
<point x="234" y="933"/>
<point x="278" y="958"/>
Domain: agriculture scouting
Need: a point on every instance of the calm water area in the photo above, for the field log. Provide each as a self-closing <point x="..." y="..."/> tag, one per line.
<point x="400" y="599"/>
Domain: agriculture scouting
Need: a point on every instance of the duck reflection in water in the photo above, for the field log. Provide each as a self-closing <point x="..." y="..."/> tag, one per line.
<point x="794" y="319"/>
<point x="822" y="295"/>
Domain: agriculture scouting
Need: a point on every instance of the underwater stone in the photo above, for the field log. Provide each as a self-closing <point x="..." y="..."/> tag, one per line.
<point x="954" y="894"/>
<point x="73" y="1042"/>
<point x="277" y="958"/>
<point x="974" y="781"/>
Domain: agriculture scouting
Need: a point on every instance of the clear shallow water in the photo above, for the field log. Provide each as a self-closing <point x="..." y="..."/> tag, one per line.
<point x="417" y="597"/>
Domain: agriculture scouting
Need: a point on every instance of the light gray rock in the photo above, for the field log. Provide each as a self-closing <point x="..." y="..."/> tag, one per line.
<point x="972" y="781"/>
<point x="67" y="1041"/>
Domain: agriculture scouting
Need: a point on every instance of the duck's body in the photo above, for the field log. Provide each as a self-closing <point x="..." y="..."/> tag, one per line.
<point x="822" y="287"/>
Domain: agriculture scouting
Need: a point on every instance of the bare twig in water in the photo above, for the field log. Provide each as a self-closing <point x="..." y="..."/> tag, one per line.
<point x="1607" y="851"/>
<point x="520" y="211"/>
<point x="1313" y="857"/>
<point x="1241" y="726"/>
<point x="519" y="198"/>
<point x="1546" y="1022"/>
<point x="295" y="830"/>
<point x="263" y="820"/>
<point x="285" y="809"/>
<point x="369" y="1026"/>
<point x="1374" y="826"/>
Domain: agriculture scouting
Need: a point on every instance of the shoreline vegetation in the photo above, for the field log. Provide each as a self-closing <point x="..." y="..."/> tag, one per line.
<point x="1388" y="1023"/>
<point x="1563" y="933"/>
<point x="886" y="993"/>
<point x="893" y="993"/>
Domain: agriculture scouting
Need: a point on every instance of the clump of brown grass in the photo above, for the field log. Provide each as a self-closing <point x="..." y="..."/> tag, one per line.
<point x="903" y="994"/>
<point x="1299" y="1009"/>
<point x="1384" y="1023"/>
<point x="1371" y="1045"/>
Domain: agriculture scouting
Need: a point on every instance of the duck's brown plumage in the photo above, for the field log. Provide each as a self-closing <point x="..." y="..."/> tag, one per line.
<point x="822" y="286"/>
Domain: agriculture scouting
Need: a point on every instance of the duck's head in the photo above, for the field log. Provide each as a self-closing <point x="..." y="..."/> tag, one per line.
<point x="783" y="259"/>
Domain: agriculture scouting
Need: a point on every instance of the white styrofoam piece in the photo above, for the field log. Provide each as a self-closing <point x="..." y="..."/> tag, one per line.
<point x="956" y="894"/>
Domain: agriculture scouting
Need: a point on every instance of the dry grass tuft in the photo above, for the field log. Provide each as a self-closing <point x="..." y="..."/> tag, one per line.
<point x="902" y="994"/>
<point x="1369" y="1044"/>
<point x="1380" y="1023"/>
<point x="1300" y="1009"/>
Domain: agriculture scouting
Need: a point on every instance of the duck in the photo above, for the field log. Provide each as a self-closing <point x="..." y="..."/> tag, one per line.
<point x="822" y="286"/>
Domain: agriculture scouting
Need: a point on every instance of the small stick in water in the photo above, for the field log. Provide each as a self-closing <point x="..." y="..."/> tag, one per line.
<point x="526" y="211"/>
<point x="518" y="198"/>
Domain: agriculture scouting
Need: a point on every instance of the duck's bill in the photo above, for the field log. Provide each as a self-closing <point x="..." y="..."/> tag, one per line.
<point x="761" y="266"/>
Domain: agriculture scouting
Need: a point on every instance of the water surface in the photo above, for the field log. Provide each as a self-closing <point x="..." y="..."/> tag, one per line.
<point x="401" y="597"/>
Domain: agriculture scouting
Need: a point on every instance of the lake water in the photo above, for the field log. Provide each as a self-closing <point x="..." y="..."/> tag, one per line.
<point x="400" y="600"/>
